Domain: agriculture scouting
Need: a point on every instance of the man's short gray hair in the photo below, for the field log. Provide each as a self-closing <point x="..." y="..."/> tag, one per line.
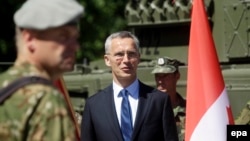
<point x="121" y="34"/>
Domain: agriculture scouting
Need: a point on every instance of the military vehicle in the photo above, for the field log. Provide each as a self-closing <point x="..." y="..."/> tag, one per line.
<point x="163" y="29"/>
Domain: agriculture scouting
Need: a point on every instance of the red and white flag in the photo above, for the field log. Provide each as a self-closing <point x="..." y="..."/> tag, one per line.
<point x="208" y="109"/>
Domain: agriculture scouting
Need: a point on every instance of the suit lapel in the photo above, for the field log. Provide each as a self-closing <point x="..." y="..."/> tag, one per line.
<point x="111" y="112"/>
<point x="142" y="108"/>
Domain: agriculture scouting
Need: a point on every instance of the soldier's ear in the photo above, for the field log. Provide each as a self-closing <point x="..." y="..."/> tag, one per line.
<point x="177" y="75"/>
<point x="27" y="35"/>
<point x="28" y="39"/>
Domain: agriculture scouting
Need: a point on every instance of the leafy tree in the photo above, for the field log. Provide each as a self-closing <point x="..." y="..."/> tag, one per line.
<point x="7" y="28"/>
<point x="101" y="18"/>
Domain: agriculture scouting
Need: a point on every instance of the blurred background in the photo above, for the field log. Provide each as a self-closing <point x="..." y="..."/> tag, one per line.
<point x="163" y="28"/>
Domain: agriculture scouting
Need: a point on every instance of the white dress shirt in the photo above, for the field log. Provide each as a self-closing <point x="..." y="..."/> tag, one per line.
<point x="133" y="90"/>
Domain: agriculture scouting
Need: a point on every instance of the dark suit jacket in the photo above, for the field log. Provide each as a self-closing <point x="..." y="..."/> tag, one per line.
<point x="154" y="120"/>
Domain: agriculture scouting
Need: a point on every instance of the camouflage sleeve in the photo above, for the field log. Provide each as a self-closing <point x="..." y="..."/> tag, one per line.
<point x="51" y="120"/>
<point x="36" y="113"/>
<point x="244" y="117"/>
<point x="179" y="113"/>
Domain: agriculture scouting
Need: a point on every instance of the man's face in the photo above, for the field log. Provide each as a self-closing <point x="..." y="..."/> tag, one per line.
<point x="123" y="58"/>
<point x="166" y="82"/>
<point x="56" y="48"/>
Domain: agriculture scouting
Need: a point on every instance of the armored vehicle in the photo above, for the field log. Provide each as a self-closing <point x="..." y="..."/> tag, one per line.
<point x="163" y="29"/>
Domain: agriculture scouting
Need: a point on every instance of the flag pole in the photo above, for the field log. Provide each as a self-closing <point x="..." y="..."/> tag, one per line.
<point x="61" y="86"/>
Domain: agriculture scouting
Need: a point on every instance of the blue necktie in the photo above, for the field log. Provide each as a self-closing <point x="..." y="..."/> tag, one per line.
<point x="126" y="118"/>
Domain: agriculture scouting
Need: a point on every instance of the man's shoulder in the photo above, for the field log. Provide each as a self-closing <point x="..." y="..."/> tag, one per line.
<point x="38" y="92"/>
<point x="102" y="93"/>
<point x="28" y="90"/>
<point x="147" y="87"/>
<point x="7" y="77"/>
<point x="33" y="94"/>
<point x="15" y="72"/>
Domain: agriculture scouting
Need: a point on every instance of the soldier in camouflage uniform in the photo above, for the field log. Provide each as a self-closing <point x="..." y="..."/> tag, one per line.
<point x="244" y="117"/>
<point x="46" y="40"/>
<point x="167" y="74"/>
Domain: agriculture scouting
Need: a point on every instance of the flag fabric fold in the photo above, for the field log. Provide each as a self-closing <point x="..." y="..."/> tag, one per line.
<point x="208" y="109"/>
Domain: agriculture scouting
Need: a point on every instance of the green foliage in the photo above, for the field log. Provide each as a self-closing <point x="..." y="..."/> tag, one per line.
<point x="3" y="46"/>
<point x="101" y="18"/>
<point x="7" y="45"/>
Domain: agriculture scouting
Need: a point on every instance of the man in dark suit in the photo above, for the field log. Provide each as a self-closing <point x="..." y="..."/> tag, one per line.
<point x="127" y="110"/>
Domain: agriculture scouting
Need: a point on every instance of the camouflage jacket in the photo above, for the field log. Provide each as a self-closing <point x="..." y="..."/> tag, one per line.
<point x="180" y="115"/>
<point x="35" y="112"/>
<point x="244" y="117"/>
